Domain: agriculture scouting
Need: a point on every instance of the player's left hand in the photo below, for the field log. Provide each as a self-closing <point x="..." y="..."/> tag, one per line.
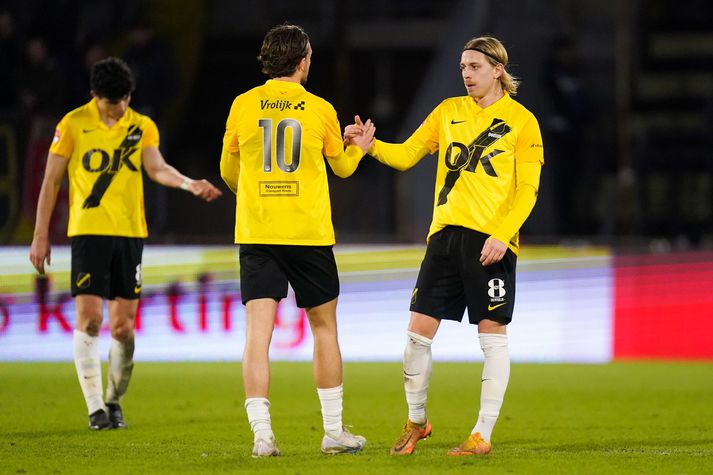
<point x="493" y="251"/>
<point x="204" y="189"/>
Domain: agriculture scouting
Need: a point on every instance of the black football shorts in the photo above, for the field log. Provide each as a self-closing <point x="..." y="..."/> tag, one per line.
<point x="266" y="269"/>
<point x="452" y="279"/>
<point x="107" y="266"/>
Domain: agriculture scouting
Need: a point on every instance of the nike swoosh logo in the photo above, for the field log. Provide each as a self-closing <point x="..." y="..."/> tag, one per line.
<point x="456" y="122"/>
<point x="86" y="131"/>
<point x="493" y="307"/>
<point x="409" y="374"/>
<point x="137" y="290"/>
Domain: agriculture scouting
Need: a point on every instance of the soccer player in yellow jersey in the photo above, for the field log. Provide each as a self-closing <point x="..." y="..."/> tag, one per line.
<point x="276" y="139"/>
<point x="489" y="159"/>
<point x="103" y="146"/>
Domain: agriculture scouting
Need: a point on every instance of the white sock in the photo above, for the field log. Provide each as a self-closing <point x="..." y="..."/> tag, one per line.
<point x="258" y="409"/>
<point x="417" y="374"/>
<point x="496" y="373"/>
<point x="121" y="364"/>
<point x="331" y="401"/>
<point x="89" y="369"/>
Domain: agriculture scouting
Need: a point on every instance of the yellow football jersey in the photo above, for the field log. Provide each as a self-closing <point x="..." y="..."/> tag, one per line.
<point x="106" y="195"/>
<point x="277" y="136"/>
<point x="478" y="150"/>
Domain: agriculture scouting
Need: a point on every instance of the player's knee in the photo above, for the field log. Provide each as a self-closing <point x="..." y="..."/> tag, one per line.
<point x="123" y="331"/>
<point x="322" y="322"/>
<point x="323" y="330"/>
<point x="92" y="329"/>
<point x="89" y="325"/>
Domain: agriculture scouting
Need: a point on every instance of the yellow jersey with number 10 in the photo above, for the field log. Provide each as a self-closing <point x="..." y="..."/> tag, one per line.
<point x="106" y="195"/>
<point x="277" y="136"/>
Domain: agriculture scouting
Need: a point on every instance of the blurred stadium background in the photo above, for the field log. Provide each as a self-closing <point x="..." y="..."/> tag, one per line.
<point x="618" y="253"/>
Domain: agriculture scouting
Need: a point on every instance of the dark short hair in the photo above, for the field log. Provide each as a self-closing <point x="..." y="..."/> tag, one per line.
<point x="282" y="50"/>
<point x="111" y="78"/>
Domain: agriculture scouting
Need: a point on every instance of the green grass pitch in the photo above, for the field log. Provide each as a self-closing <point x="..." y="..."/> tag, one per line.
<point x="188" y="418"/>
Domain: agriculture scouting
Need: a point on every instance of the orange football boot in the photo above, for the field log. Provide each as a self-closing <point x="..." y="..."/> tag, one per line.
<point x="411" y="434"/>
<point x="473" y="445"/>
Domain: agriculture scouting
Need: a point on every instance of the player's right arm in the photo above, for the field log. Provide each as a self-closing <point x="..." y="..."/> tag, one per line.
<point x="40" y="250"/>
<point x="400" y="156"/>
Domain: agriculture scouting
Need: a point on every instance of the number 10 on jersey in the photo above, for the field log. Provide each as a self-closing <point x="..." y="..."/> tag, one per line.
<point x="280" y="148"/>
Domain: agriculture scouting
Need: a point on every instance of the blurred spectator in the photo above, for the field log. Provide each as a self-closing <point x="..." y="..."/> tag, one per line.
<point x="153" y="64"/>
<point x="41" y="95"/>
<point x="567" y="124"/>
<point x="40" y="81"/>
<point x="78" y="72"/>
<point x="9" y="60"/>
<point x="100" y="20"/>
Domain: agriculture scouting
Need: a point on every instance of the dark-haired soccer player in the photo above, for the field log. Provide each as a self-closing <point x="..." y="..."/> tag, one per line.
<point x="276" y="138"/>
<point x="102" y="146"/>
<point x="489" y="159"/>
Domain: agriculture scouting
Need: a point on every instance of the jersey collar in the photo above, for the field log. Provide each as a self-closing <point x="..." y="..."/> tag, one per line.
<point x="497" y="105"/>
<point x="285" y="85"/>
<point x="94" y="112"/>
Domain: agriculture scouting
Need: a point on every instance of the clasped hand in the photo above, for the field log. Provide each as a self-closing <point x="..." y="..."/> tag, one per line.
<point x="360" y="134"/>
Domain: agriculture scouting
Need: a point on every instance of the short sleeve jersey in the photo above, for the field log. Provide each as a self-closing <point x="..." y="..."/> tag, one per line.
<point x="104" y="167"/>
<point x="282" y="134"/>
<point x="477" y="152"/>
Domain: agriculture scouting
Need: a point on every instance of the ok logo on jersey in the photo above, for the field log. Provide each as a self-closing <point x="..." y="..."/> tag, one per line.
<point x="459" y="157"/>
<point x="108" y="167"/>
<point x="106" y="164"/>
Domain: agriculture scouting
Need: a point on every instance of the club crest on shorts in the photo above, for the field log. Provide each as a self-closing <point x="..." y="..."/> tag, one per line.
<point x="84" y="280"/>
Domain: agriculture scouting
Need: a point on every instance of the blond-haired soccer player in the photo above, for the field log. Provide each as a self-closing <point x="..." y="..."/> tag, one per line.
<point x="277" y="136"/>
<point x="102" y="146"/>
<point x="489" y="159"/>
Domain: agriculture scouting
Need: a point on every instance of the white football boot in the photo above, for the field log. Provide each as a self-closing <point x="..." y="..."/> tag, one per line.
<point x="266" y="448"/>
<point x="344" y="443"/>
